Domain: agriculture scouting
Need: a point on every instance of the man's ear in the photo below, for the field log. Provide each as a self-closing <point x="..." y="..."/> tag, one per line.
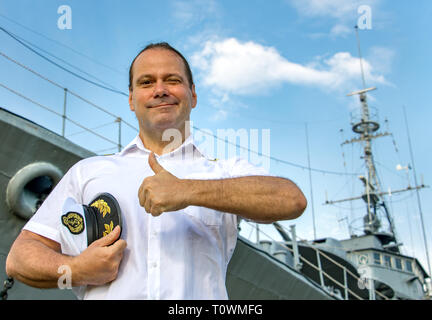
<point x="131" y="106"/>
<point x="194" y="96"/>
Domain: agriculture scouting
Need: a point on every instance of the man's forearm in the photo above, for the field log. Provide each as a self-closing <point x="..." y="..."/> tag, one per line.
<point x="35" y="260"/>
<point x="260" y="198"/>
<point x="35" y="264"/>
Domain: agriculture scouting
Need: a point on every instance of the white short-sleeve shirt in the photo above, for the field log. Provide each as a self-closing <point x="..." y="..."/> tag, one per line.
<point x="178" y="255"/>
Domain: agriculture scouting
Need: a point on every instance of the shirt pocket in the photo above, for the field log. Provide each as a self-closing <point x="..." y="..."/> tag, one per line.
<point x="207" y="216"/>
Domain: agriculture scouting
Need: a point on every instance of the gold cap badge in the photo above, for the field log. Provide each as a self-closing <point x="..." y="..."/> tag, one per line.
<point x="74" y="222"/>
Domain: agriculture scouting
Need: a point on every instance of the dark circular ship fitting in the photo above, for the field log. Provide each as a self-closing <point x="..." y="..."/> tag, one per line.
<point x="365" y="127"/>
<point x="29" y="187"/>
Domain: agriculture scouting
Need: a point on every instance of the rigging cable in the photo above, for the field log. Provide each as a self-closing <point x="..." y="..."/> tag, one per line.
<point x="58" y="114"/>
<point x="61" y="87"/>
<point x="61" y="67"/>
<point x="64" y="61"/>
<point x="61" y="44"/>
<point x="273" y="158"/>
<point x="351" y="213"/>
<point x="417" y="193"/>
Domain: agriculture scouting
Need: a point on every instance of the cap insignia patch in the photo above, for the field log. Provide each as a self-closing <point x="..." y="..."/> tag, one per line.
<point x="74" y="222"/>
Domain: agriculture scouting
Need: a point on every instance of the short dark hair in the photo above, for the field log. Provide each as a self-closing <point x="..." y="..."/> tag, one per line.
<point x="166" y="46"/>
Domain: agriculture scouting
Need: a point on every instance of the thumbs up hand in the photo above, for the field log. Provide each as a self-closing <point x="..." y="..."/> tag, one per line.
<point x="162" y="192"/>
<point x="154" y="164"/>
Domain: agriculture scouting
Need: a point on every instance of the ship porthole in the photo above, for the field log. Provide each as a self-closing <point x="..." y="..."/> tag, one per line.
<point x="29" y="187"/>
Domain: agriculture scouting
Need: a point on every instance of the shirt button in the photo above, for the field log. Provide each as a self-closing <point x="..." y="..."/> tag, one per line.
<point x="154" y="265"/>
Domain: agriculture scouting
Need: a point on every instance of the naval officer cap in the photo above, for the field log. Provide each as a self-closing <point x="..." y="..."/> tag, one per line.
<point x="83" y="224"/>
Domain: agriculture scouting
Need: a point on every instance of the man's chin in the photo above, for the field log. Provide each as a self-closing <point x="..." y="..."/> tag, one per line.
<point x="162" y="126"/>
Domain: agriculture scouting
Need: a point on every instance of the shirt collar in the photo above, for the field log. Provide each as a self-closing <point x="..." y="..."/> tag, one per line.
<point x="188" y="148"/>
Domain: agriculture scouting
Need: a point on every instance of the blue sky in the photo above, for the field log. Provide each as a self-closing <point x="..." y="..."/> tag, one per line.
<point x="258" y="65"/>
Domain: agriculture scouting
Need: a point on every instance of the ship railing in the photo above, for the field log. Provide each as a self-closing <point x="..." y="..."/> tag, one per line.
<point x="319" y="253"/>
<point x="117" y="144"/>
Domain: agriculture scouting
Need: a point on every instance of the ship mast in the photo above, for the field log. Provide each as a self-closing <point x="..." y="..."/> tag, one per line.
<point x="366" y="129"/>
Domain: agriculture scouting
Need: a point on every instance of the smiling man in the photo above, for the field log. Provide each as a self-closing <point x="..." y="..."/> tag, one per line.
<point x="161" y="94"/>
<point x="180" y="209"/>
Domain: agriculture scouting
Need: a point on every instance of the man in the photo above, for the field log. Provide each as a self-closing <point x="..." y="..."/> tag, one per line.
<point x="180" y="209"/>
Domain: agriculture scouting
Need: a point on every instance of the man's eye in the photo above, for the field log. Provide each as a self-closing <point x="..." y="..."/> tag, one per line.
<point x="174" y="80"/>
<point x="145" y="82"/>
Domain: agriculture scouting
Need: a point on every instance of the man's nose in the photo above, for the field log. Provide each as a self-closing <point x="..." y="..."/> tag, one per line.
<point x="160" y="89"/>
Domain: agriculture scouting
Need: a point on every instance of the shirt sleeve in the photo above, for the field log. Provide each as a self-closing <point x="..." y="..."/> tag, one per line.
<point x="47" y="219"/>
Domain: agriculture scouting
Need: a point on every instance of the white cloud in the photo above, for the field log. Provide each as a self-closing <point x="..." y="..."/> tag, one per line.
<point x="219" y="115"/>
<point x="191" y="12"/>
<point x="230" y="66"/>
<point x="340" y="30"/>
<point x="223" y="105"/>
<point x="381" y="58"/>
<point x="340" y="9"/>
<point x="344" y="13"/>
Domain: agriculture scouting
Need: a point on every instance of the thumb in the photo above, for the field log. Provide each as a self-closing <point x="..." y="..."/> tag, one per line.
<point x="154" y="164"/>
<point x="110" y="238"/>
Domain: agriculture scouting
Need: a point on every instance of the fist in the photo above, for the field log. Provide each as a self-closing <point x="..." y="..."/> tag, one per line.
<point x="162" y="192"/>
<point x="99" y="263"/>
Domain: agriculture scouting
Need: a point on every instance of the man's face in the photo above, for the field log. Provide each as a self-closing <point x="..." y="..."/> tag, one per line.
<point x="161" y="95"/>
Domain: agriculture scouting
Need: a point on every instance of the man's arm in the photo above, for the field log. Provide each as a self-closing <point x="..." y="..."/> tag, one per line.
<point x="260" y="198"/>
<point x="34" y="260"/>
